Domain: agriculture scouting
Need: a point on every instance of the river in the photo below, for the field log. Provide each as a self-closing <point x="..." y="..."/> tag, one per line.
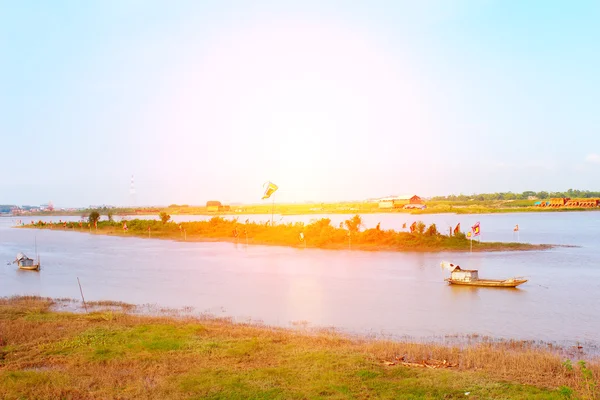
<point x="389" y="294"/>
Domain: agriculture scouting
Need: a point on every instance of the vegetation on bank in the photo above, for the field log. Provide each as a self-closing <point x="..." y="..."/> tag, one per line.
<point x="319" y="234"/>
<point x="542" y="195"/>
<point x="112" y="354"/>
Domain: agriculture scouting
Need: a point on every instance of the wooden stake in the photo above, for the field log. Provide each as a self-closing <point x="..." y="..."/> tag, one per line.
<point x="81" y="291"/>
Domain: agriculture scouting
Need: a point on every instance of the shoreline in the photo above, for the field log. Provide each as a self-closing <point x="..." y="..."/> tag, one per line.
<point x="250" y="210"/>
<point x="54" y="354"/>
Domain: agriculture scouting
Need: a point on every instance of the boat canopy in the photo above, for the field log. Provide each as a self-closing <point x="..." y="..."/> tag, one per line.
<point x="21" y="256"/>
<point x="449" y="266"/>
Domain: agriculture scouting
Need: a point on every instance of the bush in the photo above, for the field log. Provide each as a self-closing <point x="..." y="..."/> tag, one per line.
<point x="164" y="217"/>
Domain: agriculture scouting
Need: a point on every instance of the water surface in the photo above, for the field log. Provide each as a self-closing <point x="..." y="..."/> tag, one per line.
<point x="397" y="294"/>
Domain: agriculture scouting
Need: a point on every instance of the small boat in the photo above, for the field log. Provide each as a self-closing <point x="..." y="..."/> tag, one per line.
<point x="470" y="277"/>
<point x="27" y="263"/>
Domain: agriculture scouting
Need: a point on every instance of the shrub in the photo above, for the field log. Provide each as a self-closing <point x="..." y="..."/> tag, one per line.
<point x="164" y="217"/>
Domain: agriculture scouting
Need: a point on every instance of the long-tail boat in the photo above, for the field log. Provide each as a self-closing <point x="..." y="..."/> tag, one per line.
<point x="470" y="277"/>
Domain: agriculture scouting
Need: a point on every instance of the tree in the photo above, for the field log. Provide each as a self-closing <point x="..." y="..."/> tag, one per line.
<point x="109" y="215"/>
<point x="431" y="231"/>
<point x="353" y="224"/>
<point x="542" y="195"/>
<point x="94" y="217"/>
<point x="164" y="217"/>
<point x="420" y="227"/>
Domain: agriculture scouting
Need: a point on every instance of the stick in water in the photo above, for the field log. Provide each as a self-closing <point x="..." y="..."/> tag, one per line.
<point x="81" y="291"/>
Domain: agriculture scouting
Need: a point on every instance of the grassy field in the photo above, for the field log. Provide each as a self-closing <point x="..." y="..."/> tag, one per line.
<point x="115" y="355"/>
<point x="433" y="207"/>
<point x="320" y="234"/>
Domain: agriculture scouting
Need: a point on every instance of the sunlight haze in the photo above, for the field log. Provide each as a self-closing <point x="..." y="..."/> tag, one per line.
<point x="332" y="101"/>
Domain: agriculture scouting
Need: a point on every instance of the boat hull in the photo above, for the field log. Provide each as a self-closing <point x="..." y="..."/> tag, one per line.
<point x="30" y="267"/>
<point x="509" y="283"/>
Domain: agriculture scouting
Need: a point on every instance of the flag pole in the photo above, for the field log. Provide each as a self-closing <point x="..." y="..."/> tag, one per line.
<point x="272" y="211"/>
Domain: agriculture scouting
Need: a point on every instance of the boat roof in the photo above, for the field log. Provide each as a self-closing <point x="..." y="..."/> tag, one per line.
<point x="453" y="267"/>
<point x="21" y="256"/>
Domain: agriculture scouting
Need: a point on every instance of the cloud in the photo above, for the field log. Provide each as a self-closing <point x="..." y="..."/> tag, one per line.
<point x="593" y="158"/>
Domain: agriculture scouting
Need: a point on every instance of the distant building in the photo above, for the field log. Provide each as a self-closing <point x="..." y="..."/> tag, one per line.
<point x="558" y="201"/>
<point x="215" y="206"/>
<point x="584" y="203"/>
<point x="399" y="201"/>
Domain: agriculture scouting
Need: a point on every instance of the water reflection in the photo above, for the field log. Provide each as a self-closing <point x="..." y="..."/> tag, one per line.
<point x="461" y="291"/>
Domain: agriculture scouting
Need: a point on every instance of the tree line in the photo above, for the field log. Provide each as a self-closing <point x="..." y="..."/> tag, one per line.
<point x="571" y="193"/>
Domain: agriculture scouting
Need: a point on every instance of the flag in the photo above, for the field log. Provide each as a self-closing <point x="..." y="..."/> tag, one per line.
<point x="413" y="227"/>
<point x="404" y="225"/>
<point x="457" y="229"/>
<point x="301" y="236"/>
<point x="475" y="229"/>
<point x="125" y="226"/>
<point x="468" y="234"/>
<point x="516" y="229"/>
<point x="271" y="188"/>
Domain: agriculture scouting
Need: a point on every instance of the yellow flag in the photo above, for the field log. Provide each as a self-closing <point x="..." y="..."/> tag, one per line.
<point x="271" y="188"/>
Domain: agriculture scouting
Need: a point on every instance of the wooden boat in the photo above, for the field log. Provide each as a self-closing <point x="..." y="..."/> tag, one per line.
<point x="467" y="277"/>
<point x="512" y="282"/>
<point x="27" y="263"/>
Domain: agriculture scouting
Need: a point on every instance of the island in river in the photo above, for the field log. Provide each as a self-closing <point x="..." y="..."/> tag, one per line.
<point x="319" y="234"/>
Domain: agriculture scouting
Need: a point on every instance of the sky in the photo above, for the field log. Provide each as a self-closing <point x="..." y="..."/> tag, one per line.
<point x="330" y="100"/>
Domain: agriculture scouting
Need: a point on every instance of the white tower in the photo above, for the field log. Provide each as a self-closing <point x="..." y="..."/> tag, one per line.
<point x="132" y="192"/>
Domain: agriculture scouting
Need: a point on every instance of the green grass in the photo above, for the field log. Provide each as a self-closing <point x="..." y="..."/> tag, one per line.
<point x="89" y="356"/>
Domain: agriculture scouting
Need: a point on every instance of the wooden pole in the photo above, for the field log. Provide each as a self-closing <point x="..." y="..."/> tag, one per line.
<point x="81" y="291"/>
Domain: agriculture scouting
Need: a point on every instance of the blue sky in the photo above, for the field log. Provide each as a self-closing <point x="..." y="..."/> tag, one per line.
<point x="335" y="100"/>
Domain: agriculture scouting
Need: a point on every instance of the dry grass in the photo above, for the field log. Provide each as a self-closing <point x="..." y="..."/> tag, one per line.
<point x="106" y="355"/>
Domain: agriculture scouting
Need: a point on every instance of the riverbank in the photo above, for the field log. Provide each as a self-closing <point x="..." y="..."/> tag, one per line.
<point x="110" y="353"/>
<point x="361" y="208"/>
<point x="319" y="234"/>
